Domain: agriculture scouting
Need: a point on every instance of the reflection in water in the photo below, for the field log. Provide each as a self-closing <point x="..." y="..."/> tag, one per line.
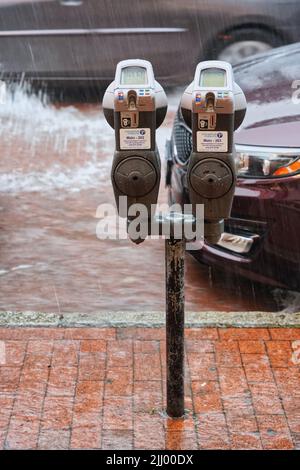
<point x="55" y="171"/>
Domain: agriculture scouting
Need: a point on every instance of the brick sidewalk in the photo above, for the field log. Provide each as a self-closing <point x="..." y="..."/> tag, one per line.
<point x="104" y="388"/>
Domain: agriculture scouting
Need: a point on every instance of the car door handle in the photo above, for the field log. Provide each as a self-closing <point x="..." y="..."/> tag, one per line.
<point x="70" y="3"/>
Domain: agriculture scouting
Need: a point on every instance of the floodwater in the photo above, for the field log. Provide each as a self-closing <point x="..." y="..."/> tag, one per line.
<point x="55" y="172"/>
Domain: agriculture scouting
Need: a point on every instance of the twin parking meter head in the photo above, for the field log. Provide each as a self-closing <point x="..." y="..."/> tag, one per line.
<point x="135" y="105"/>
<point x="213" y="106"/>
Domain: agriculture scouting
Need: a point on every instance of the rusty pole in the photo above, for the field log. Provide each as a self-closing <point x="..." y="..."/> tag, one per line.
<point x="175" y="253"/>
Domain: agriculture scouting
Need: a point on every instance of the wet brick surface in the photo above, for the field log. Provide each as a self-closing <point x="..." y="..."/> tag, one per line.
<point x="92" y="388"/>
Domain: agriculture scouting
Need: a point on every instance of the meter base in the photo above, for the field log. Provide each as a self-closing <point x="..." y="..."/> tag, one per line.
<point x="175" y="225"/>
<point x="213" y="230"/>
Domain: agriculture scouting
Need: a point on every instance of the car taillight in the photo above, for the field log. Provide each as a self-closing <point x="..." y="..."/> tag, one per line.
<point x="266" y="162"/>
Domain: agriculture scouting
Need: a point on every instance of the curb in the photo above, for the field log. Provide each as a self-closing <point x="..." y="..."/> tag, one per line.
<point x="149" y="319"/>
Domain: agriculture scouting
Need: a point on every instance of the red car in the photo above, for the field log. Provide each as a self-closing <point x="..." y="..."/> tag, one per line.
<point x="262" y="237"/>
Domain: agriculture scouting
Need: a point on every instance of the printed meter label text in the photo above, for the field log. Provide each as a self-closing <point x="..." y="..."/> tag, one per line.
<point x="135" y="139"/>
<point x="208" y="141"/>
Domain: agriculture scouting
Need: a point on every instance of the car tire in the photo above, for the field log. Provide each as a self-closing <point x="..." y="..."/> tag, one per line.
<point x="239" y="44"/>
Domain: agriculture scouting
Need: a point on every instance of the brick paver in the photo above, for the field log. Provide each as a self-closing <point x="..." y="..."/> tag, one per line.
<point x="91" y="388"/>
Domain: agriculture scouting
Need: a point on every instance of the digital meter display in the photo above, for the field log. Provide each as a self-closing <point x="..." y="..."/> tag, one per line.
<point x="134" y="76"/>
<point x="213" y="78"/>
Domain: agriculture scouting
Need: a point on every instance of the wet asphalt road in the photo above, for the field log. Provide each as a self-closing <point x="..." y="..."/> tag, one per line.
<point x="55" y="172"/>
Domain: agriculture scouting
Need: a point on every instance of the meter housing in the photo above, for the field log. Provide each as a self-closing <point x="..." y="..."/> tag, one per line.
<point x="213" y="106"/>
<point x="135" y="105"/>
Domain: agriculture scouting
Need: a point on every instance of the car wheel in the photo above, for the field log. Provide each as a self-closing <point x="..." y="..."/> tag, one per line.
<point x="242" y="43"/>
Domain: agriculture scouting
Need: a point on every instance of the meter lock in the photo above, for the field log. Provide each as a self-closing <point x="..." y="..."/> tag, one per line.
<point x="129" y="119"/>
<point x="207" y="121"/>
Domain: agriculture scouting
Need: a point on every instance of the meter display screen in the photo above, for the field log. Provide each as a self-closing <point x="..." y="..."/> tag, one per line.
<point x="134" y="76"/>
<point x="213" y="78"/>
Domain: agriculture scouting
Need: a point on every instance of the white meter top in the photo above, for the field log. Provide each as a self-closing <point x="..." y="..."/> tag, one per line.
<point x="215" y="75"/>
<point x="134" y="73"/>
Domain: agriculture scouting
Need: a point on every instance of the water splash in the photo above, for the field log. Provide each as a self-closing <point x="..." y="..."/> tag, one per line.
<point x="46" y="147"/>
<point x="72" y="180"/>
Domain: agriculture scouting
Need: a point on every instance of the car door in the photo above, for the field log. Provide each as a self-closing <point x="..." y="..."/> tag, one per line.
<point x="43" y="38"/>
<point x="155" y="30"/>
<point x="86" y="38"/>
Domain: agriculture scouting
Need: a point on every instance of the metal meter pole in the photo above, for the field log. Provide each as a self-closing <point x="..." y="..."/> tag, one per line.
<point x="175" y="253"/>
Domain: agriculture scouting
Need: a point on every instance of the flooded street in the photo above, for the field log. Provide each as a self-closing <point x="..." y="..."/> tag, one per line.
<point x="55" y="172"/>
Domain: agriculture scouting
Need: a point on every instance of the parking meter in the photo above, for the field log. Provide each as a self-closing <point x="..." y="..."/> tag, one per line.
<point x="213" y="106"/>
<point x="135" y="105"/>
